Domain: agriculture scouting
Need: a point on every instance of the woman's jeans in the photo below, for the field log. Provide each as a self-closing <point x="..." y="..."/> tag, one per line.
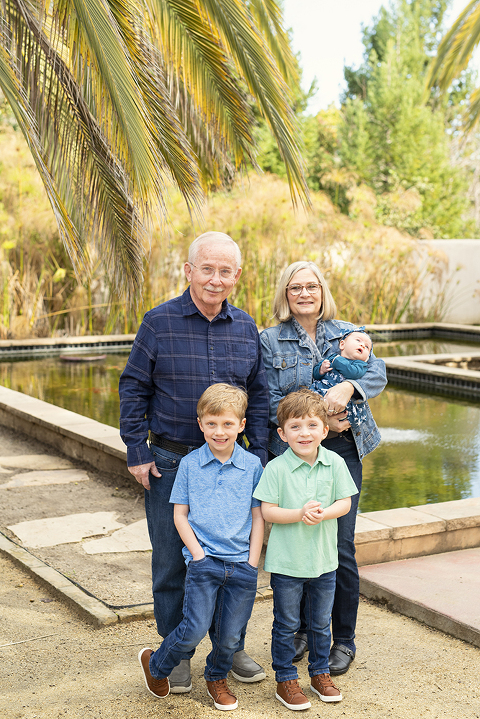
<point x="318" y="594"/>
<point x="345" y="606"/>
<point x="219" y="598"/>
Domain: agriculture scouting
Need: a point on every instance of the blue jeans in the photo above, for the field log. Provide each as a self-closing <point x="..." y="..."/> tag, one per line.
<point x="318" y="596"/>
<point x="347" y="592"/>
<point x="168" y="563"/>
<point x="219" y="598"/>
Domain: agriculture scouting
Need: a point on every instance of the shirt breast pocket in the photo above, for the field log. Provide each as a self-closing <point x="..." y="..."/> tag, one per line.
<point x="286" y="366"/>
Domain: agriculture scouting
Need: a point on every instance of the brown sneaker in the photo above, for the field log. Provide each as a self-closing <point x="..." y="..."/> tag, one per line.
<point x="160" y="688"/>
<point x="290" y="694"/>
<point x="221" y="695"/>
<point x="322" y="685"/>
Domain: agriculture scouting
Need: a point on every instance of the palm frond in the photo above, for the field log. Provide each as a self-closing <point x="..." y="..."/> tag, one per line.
<point x="258" y="69"/>
<point x="456" y="48"/>
<point x="268" y="18"/>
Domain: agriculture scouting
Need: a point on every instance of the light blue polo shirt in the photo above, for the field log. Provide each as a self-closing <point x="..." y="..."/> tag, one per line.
<point x="220" y="500"/>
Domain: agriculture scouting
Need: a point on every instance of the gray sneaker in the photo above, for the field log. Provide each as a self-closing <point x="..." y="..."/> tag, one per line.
<point x="245" y="669"/>
<point x="180" y="678"/>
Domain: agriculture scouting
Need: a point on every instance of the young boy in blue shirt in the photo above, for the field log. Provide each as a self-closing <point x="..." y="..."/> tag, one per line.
<point x="303" y="491"/>
<point x="222" y="528"/>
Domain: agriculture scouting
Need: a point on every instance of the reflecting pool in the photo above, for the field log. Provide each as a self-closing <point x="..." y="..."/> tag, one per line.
<point x="430" y="446"/>
<point x="430" y="451"/>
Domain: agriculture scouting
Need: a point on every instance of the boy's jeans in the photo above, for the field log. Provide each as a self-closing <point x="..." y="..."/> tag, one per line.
<point x="287" y="595"/>
<point x="219" y="598"/>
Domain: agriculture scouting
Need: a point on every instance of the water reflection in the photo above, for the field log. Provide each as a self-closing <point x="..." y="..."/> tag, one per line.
<point x="429" y="453"/>
<point x="90" y="389"/>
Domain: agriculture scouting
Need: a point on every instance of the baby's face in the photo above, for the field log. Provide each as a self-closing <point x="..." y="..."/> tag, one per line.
<point x="356" y="345"/>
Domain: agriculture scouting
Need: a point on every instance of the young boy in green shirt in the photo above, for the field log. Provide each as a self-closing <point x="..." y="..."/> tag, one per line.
<point x="303" y="491"/>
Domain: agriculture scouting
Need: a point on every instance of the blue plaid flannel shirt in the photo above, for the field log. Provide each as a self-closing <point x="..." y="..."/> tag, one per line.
<point x="176" y="355"/>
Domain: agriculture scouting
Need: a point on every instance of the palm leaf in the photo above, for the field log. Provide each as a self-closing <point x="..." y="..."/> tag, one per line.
<point x="453" y="56"/>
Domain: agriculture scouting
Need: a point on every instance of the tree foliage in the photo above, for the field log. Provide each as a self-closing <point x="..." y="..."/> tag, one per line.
<point x="120" y="99"/>
<point x="386" y="145"/>
<point x="395" y="143"/>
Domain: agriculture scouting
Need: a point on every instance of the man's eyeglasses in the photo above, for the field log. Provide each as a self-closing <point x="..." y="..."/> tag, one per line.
<point x="312" y="289"/>
<point x="225" y="273"/>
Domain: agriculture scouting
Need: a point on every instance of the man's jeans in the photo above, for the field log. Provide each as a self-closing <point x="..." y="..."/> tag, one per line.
<point x="318" y="596"/>
<point x="345" y="606"/>
<point x="168" y="563"/>
<point x="219" y="598"/>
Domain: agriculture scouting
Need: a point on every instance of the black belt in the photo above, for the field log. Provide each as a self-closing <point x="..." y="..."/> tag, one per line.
<point x="332" y="435"/>
<point x="167" y="444"/>
<point x="176" y="447"/>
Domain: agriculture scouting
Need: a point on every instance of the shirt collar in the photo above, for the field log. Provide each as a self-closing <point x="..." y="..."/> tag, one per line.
<point x="237" y="459"/>
<point x="190" y="308"/>
<point x="295" y="462"/>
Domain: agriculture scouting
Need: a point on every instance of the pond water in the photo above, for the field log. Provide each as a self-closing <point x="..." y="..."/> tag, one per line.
<point x="430" y="450"/>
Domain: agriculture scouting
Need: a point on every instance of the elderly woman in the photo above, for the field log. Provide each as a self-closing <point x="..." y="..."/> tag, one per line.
<point x="306" y="334"/>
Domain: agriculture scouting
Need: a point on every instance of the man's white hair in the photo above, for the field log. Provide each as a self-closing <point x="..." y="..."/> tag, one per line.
<point x="217" y="238"/>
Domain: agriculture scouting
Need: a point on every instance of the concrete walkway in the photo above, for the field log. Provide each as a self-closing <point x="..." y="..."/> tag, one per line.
<point x="82" y="532"/>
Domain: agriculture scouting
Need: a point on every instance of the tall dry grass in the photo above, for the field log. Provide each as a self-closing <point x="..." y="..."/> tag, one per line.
<point x="375" y="272"/>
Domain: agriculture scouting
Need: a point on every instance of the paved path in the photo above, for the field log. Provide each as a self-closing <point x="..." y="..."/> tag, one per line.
<point x="91" y="528"/>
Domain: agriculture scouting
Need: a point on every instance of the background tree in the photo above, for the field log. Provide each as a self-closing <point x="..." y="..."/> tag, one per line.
<point x="120" y="100"/>
<point x="396" y="144"/>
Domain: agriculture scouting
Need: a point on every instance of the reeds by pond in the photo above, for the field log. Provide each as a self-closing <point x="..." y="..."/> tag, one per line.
<point x="375" y="272"/>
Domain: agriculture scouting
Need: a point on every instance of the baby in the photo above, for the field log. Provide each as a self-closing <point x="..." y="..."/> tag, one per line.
<point x="351" y="363"/>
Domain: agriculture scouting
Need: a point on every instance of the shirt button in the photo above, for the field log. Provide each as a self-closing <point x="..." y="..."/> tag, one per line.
<point x="220" y="481"/>
<point x="358" y="434"/>
<point x="213" y="372"/>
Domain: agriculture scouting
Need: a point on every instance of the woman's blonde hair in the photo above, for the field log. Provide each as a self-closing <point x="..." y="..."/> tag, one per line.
<point x="281" y="308"/>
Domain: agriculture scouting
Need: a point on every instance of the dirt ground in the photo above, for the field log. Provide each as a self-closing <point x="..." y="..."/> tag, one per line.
<point x="402" y="669"/>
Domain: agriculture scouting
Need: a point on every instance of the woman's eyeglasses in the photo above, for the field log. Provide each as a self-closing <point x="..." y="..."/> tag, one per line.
<point x="295" y="290"/>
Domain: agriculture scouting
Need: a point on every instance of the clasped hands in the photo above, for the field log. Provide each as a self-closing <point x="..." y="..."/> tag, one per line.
<point x="312" y="512"/>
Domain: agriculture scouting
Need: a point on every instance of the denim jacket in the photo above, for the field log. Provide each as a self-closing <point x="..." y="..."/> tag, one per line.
<point x="289" y="364"/>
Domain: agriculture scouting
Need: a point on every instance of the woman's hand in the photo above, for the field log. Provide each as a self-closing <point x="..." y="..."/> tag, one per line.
<point x="337" y="423"/>
<point x="338" y="397"/>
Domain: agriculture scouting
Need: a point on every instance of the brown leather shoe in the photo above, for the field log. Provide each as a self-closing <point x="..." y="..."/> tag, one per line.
<point x="222" y="697"/>
<point x="160" y="688"/>
<point x="322" y="685"/>
<point x="291" y="696"/>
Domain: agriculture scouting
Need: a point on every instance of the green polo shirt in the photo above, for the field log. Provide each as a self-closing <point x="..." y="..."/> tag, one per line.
<point x="296" y="549"/>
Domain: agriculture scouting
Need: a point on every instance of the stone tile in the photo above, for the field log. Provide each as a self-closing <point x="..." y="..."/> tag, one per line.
<point x="35" y="461"/>
<point x="133" y="538"/>
<point x="368" y="530"/>
<point x="441" y="590"/>
<point x="459" y="514"/>
<point x="95" y="430"/>
<point x="64" y="530"/>
<point x="41" y="478"/>
<point x="407" y="522"/>
<point x="115" y="442"/>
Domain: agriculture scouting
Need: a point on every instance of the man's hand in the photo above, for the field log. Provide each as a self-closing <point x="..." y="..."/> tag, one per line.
<point x="141" y="472"/>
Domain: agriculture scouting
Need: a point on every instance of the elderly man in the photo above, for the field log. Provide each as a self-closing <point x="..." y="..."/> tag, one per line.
<point x="183" y="346"/>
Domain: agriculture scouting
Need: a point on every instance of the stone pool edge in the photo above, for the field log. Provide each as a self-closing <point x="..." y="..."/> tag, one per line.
<point x="381" y="536"/>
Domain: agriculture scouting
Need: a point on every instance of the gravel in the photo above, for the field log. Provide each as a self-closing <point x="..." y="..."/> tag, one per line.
<point x="403" y="669"/>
